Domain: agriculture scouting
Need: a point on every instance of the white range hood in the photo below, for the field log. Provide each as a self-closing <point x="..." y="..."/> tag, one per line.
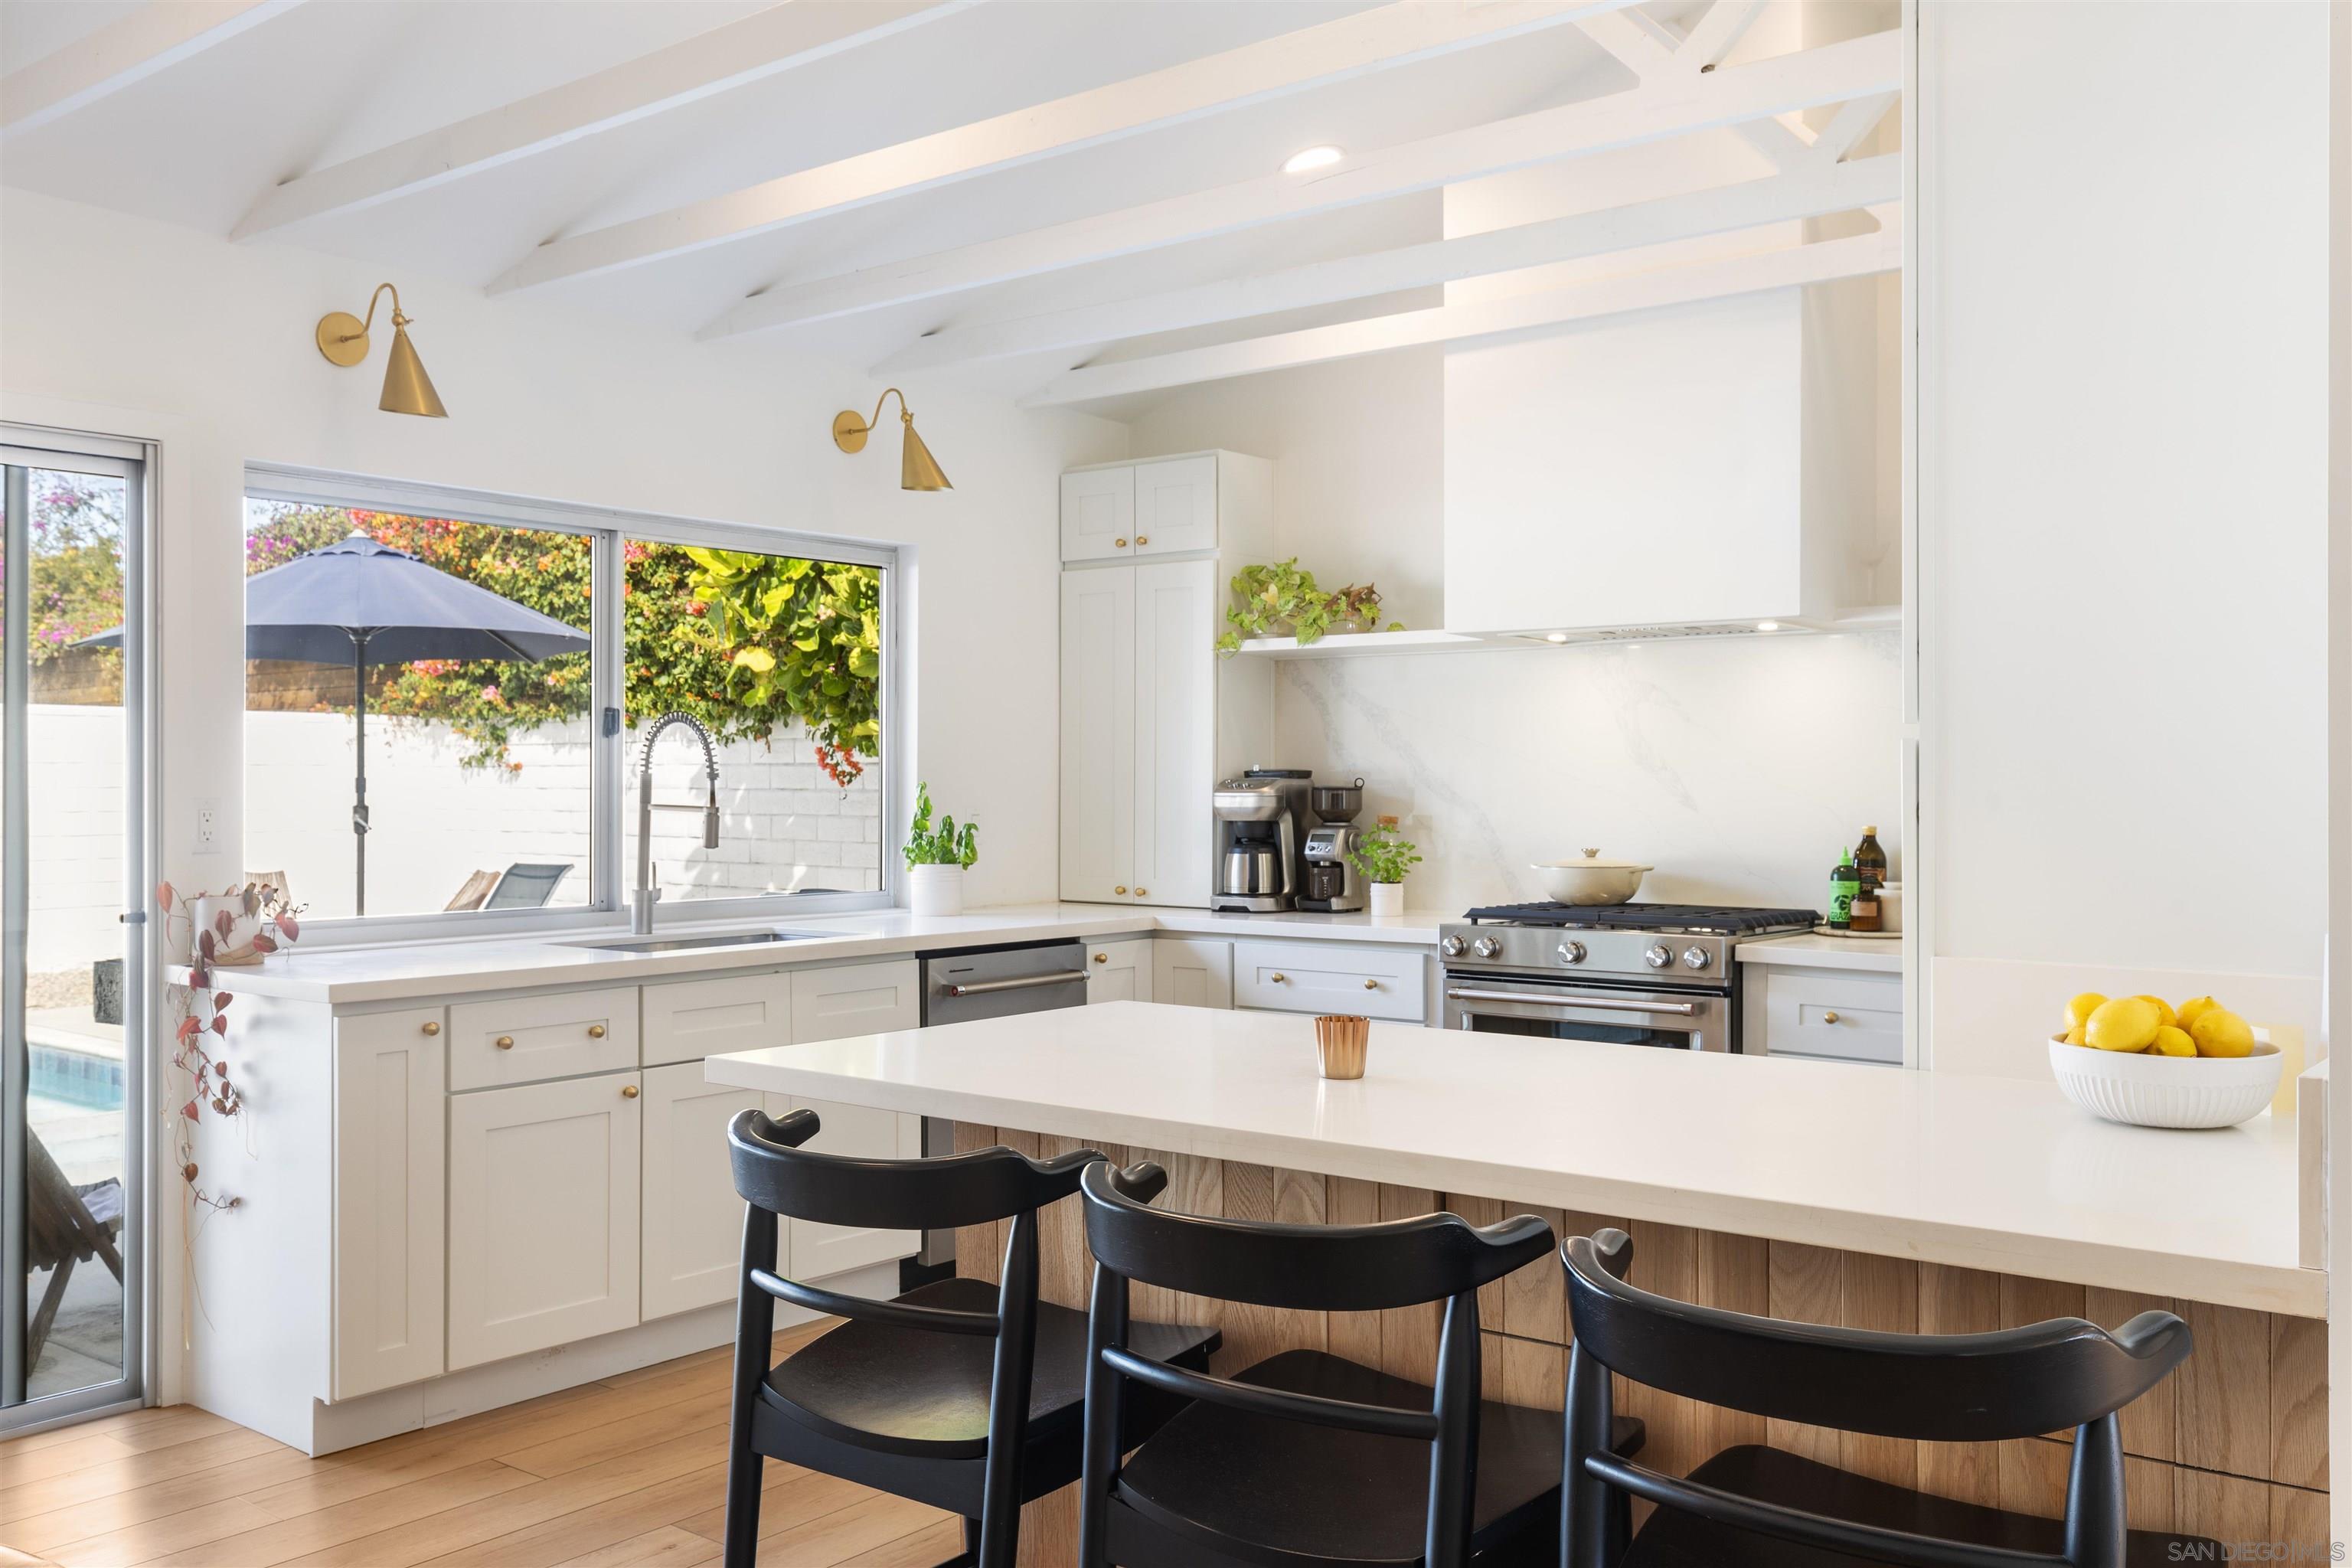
<point x="1690" y="471"/>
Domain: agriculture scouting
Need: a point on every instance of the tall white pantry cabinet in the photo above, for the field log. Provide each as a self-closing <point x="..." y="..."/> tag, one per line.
<point x="1151" y="718"/>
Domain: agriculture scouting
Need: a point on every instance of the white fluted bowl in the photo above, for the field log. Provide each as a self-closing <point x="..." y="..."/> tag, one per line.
<point x="2167" y="1091"/>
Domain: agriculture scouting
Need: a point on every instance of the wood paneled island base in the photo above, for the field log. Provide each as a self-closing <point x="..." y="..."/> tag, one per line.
<point x="2233" y="1446"/>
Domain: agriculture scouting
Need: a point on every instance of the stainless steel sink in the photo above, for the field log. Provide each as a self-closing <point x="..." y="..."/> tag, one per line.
<point x="688" y="943"/>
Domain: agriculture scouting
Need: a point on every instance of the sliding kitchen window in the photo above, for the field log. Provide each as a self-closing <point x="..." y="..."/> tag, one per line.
<point x="448" y="697"/>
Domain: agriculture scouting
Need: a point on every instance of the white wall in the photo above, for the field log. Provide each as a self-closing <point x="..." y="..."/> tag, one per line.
<point x="2123" y="408"/>
<point x="1739" y="768"/>
<point x="173" y="328"/>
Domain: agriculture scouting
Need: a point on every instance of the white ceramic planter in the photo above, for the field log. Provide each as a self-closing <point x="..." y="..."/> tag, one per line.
<point x="204" y="913"/>
<point x="1387" y="900"/>
<point x="935" y="890"/>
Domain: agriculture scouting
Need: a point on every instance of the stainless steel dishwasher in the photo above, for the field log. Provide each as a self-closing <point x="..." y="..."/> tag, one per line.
<point x="993" y="983"/>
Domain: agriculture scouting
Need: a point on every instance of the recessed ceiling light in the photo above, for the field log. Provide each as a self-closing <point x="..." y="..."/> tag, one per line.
<point x="1767" y="626"/>
<point x="1312" y="158"/>
<point x="1555" y="637"/>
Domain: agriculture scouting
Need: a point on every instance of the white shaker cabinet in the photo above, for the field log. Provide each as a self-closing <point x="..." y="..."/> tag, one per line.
<point x="1176" y="505"/>
<point x="1192" y="971"/>
<point x="711" y="1014"/>
<point x="1119" y="971"/>
<point x="543" y="1214"/>
<point x="1837" y="1014"/>
<point x="1151" y="718"/>
<point x="389" y="1078"/>
<point x="1099" y="734"/>
<point x="692" y="1234"/>
<point x="827" y="1004"/>
<point x="1097" y="514"/>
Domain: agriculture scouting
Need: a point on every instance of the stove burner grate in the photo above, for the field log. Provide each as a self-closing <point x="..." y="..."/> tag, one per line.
<point x="1679" y="917"/>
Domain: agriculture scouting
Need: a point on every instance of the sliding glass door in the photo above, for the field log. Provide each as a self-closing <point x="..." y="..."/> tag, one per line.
<point x="72" y="989"/>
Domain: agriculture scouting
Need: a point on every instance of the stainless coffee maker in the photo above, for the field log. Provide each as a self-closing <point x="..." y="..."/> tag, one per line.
<point x="1261" y="837"/>
<point x="1333" y="885"/>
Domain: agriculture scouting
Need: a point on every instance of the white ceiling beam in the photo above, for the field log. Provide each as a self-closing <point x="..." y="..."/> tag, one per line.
<point x="1779" y="198"/>
<point x="1648" y="48"/>
<point x="1849" y="125"/>
<point x="1378" y="39"/>
<point x="1669" y="106"/>
<point x="153" y="38"/>
<point x="1719" y="32"/>
<point x="761" y="46"/>
<point x="1857" y="256"/>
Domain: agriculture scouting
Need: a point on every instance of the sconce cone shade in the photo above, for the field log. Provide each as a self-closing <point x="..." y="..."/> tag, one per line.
<point x="917" y="470"/>
<point x="406" y="388"/>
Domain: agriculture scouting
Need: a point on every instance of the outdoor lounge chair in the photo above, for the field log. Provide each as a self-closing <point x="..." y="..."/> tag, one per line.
<point x="525" y="885"/>
<point x="65" y="1225"/>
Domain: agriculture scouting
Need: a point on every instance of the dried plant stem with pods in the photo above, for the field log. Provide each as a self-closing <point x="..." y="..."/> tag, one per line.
<point x="200" y="1031"/>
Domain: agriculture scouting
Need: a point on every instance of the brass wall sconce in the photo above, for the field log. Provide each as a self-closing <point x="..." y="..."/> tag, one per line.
<point x="343" y="338"/>
<point x="917" y="470"/>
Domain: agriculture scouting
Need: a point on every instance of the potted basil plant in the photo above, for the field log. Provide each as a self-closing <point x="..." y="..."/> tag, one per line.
<point x="1383" y="855"/>
<point x="935" y="859"/>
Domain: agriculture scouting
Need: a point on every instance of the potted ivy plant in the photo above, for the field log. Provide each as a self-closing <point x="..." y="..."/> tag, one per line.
<point x="1383" y="854"/>
<point x="935" y="859"/>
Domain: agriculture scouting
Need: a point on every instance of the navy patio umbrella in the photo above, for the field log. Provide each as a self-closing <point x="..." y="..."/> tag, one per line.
<point x="358" y="602"/>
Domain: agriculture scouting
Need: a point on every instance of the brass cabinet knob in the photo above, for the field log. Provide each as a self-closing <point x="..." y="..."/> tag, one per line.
<point x="1142" y="539"/>
<point x="1102" y="958"/>
<point x="1279" y="979"/>
<point x="1140" y="893"/>
<point x="595" y="1031"/>
<point x="504" y="1042"/>
<point x="1118" y="543"/>
<point x="1371" y="985"/>
<point x="1828" y="1017"/>
<point x="628" y="1091"/>
<point x="1121" y="888"/>
<point x="433" y="1027"/>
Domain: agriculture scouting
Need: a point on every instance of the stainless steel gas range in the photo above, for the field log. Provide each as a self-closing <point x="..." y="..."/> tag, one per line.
<point x="1631" y="975"/>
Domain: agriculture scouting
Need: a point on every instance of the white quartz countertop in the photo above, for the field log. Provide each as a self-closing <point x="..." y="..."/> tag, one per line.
<point x="1984" y="1172"/>
<point x="1818" y="951"/>
<point x="406" y="971"/>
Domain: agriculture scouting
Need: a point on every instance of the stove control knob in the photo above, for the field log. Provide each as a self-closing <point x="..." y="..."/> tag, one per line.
<point x="1450" y="947"/>
<point x="1571" y="953"/>
<point x="1659" y="955"/>
<point x="1696" y="958"/>
<point x="1487" y="947"/>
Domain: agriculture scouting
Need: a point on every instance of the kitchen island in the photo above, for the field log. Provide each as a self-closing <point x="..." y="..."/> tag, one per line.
<point x="1809" y="1190"/>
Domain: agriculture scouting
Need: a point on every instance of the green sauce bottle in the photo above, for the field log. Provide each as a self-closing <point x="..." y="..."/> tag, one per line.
<point x="1845" y="881"/>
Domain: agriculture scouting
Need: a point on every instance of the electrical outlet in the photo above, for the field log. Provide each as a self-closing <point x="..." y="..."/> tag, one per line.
<point x="208" y="826"/>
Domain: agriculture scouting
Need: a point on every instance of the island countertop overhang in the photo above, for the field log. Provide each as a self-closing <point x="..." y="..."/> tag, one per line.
<point x="1991" y="1173"/>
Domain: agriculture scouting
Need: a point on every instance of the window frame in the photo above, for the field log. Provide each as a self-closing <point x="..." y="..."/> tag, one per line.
<point x="610" y="794"/>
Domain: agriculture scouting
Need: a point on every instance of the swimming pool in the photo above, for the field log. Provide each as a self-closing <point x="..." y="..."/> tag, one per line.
<point x="64" y="1083"/>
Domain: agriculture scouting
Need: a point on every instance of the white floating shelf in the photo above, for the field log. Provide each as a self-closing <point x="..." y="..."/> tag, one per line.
<point x="1358" y="644"/>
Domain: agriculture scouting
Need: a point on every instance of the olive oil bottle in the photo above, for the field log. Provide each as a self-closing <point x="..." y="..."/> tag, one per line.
<point x="1845" y="881"/>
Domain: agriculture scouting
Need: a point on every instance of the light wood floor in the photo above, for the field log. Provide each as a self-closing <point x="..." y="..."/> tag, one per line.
<point x="631" y="1471"/>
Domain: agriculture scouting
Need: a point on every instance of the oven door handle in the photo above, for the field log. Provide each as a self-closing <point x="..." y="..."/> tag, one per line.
<point x="1554" y="999"/>
<point x="1022" y="983"/>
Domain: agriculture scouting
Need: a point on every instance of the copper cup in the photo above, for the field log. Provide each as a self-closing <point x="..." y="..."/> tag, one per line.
<point x="1340" y="1039"/>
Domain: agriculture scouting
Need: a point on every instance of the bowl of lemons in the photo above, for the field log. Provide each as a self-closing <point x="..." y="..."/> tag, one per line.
<point x="2142" y="1061"/>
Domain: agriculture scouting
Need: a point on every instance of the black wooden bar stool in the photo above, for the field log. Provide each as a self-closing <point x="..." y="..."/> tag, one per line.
<point x="960" y="1394"/>
<point x="1757" y="1506"/>
<point x="1306" y="1460"/>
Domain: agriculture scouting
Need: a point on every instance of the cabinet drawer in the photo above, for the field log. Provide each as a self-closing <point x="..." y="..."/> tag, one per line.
<point x="526" y="1038"/>
<point x="1329" y="977"/>
<point x="697" y="1019"/>
<point x="1844" y="1015"/>
<point x="856" y="999"/>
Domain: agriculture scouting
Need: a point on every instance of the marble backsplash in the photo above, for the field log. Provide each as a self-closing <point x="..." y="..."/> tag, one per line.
<point x="1738" y="767"/>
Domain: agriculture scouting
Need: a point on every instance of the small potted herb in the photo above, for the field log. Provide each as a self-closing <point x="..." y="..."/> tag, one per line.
<point x="1383" y="855"/>
<point x="935" y="859"/>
